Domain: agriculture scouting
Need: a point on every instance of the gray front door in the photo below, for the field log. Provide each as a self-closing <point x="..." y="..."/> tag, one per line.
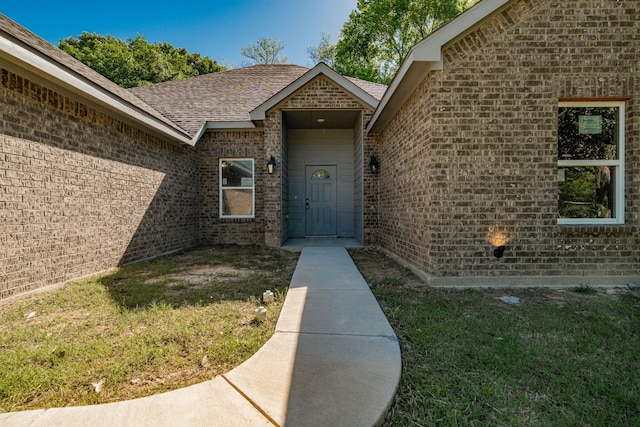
<point x="320" y="202"/>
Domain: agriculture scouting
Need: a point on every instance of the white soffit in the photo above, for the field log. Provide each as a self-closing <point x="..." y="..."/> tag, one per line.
<point x="259" y="113"/>
<point x="49" y="70"/>
<point x="426" y="56"/>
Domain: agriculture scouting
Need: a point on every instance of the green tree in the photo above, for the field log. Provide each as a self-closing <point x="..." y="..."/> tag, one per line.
<point x="136" y="62"/>
<point x="325" y="51"/>
<point x="265" y="51"/>
<point x="379" y="34"/>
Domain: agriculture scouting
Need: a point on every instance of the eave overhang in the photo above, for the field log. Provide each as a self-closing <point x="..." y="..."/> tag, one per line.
<point x="21" y="58"/>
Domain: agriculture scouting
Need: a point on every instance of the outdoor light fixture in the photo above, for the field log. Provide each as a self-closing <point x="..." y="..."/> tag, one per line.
<point x="499" y="240"/>
<point x="374" y="165"/>
<point x="271" y="164"/>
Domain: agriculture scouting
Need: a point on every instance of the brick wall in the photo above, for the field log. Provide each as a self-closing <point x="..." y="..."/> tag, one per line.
<point x="475" y="148"/>
<point x="369" y="185"/>
<point x="213" y="146"/>
<point x="81" y="192"/>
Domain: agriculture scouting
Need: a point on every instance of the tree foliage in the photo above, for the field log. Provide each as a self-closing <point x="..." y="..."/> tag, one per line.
<point x="379" y="34"/>
<point x="325" y="51"/>
<point x="265" y="51"/>
<point x="136" y="62"/>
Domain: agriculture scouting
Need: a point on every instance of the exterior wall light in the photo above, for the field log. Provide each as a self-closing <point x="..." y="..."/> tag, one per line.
<point x="499" y="240"/>
<point x="374" y="165"/>
<point x="271" y="165"/>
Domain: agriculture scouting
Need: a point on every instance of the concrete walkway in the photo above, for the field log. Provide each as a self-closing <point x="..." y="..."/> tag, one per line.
<point x="333" y="361"/>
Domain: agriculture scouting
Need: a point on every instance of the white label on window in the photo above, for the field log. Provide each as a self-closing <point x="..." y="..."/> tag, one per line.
<point x="246" y="182"/>
<point x="590" y="124"/>
<point x="224" y="181"/>
<point x="560" y="175"/>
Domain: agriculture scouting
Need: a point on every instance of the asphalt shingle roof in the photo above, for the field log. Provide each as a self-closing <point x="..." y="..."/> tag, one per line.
<point x="222" y="96"/>
<point x="226" y="96"/>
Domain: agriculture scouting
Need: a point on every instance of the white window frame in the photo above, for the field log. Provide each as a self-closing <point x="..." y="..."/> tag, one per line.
<point x="252" y="188"/>
<point x="618" y="164"/>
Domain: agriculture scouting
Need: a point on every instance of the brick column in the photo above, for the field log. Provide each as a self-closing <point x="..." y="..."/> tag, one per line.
<point x="272" y="183"/>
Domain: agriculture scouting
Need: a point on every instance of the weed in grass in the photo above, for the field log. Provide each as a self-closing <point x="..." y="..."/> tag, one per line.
<point x="585" y="289"/>
<point x="142" y="330"/>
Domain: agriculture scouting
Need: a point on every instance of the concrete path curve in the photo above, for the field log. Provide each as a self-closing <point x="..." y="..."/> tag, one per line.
<point x="333" y="360"/>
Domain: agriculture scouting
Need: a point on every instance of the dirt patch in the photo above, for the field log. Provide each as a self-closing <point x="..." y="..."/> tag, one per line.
<point x="376" y="266"/>
<point x="203" y="275"/>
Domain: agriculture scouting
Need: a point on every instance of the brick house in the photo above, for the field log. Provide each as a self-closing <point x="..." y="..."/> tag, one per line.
<point x="508" y="148"/>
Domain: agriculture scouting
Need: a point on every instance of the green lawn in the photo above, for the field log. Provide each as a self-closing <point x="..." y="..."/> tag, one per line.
<point x="144" y="329"/>
<point x="557" y="358"/>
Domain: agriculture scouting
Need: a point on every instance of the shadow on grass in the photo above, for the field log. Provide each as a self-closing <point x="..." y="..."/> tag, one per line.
<point x="201" y="276"/>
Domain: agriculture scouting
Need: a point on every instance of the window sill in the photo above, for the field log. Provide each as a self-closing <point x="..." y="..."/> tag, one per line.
<point x="595" y="229"/>
<point x="236" y="219"/>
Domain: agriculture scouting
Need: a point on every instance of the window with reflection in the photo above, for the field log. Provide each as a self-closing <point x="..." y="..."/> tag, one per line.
<point x="237" y="188"/>
<point x="320" y="174"/>
<point x="591" y="162"/>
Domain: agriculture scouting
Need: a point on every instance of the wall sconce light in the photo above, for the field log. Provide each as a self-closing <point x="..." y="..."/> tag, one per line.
<point x="499" y="240"/>
<point x="374" y="165"/>
<point x="271" y="165"/>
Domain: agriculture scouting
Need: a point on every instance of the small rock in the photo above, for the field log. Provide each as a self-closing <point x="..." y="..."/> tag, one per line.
<point x="261" y="314"/>
<point x="135" y="381"/>
<point x="510" y="299"/>
<point x="97" y="387"/>
<point x="205" y="362"/>
<point x="30" y="316"/>
<point x="267" y="296"/>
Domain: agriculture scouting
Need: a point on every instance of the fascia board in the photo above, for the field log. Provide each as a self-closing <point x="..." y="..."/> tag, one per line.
<point x="426" y="56"/>
<point x="50" y="71"/>
<point x="259" y="114"/>
<point x="239" y="125"/>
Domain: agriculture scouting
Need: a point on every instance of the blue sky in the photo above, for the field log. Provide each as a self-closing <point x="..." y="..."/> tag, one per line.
<point x="214" y="28"/>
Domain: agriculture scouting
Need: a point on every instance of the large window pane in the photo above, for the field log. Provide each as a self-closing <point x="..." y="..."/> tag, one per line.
<point x="591" y="162"/>
<point x="586" y="192"/>
<point x="237" y="202"/>
<point x="588" y="133"/>
<point x="237" y="188"/>
<point x="237" y="173"/>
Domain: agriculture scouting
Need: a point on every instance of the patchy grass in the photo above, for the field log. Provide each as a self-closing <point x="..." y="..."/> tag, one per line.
<point x="145" y="329"/>
<point x="556" y="358"/>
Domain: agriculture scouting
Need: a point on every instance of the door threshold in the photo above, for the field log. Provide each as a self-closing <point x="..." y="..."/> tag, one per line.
<point x="329" y="242"/>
